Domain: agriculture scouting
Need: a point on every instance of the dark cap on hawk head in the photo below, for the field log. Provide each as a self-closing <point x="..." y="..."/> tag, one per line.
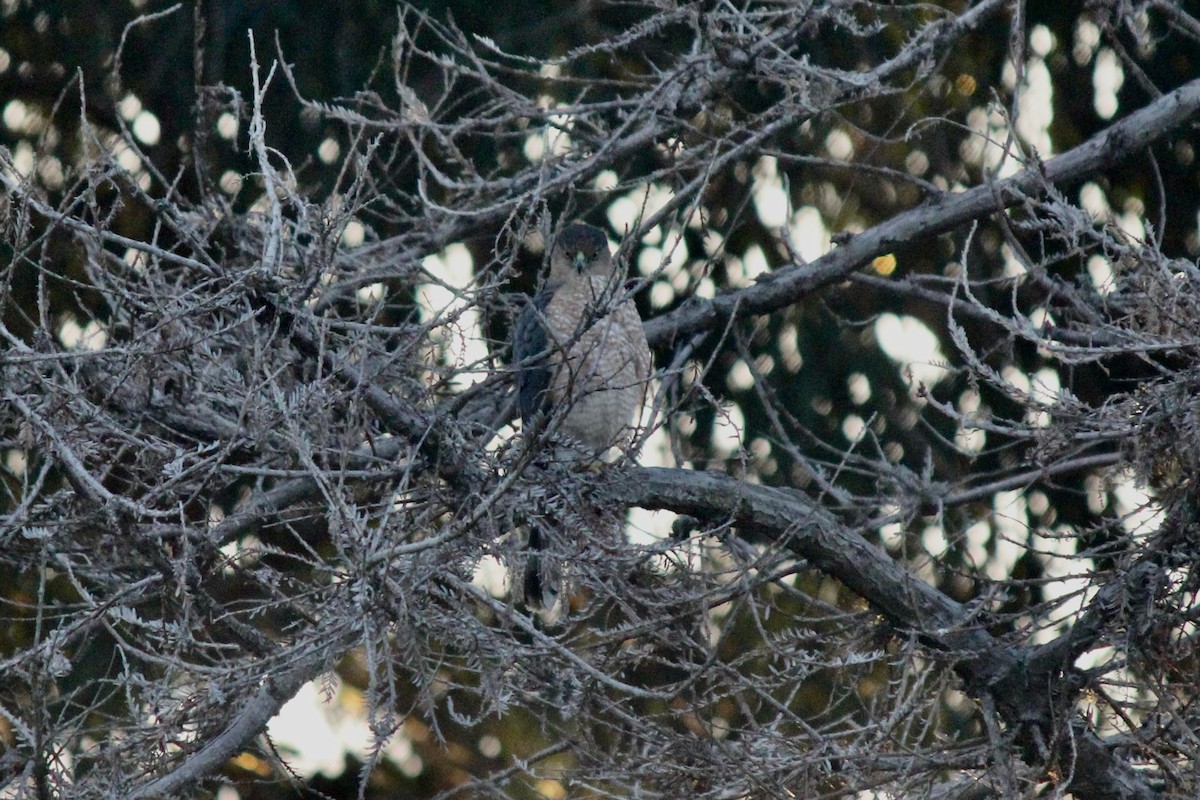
<point x="580" y="249"/>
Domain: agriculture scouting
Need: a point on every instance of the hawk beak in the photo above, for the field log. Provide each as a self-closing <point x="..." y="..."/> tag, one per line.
<point x="580" y="261"/>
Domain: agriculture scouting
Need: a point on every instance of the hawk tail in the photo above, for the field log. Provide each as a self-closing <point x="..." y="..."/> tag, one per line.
<point x="541" y="583"/>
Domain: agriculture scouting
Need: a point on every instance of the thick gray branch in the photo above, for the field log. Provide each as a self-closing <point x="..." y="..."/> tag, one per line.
<point x="247" y="723"/>
<point x="987" y="666"/>
<point x="1121" y="141"/>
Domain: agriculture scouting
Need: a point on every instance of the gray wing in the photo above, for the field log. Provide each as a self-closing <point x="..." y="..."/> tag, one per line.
<point x="530" y="357"/>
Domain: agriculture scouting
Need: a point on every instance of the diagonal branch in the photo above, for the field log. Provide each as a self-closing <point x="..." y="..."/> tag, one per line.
<point x="249" y="721"/>
<point x="989" y="667"/>
<point x="1119" y="142"/>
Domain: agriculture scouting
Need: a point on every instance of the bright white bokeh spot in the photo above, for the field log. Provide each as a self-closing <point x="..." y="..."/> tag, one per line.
<point x="654" y="198"/>
<point x="891" y="535"/>
<point x="743" y="271"/>
<point x="230" y="182"/>
<point x="606" y="181"/>
<point x="839" y="145"/>
<point x="353" y="234"/>
<point x="69" y="333"/>
<point x="462" y="354"/>
<point x="622" y="212"/>
<point x="135" y="258"/>
<point x="1041" y="40"/>
<point x="129" y="160"/>
<point x="1132" y="220"/>
<point x="1015" y="378"/>
<point x="1035" y="113"/>
<point x="916" y="163"/>
<point x="1132" y="223"/>
<point x="675" y="255"/>
<point x="976" y="538"/>
<point x="553" y="139"/>
<point x="662" y="294"/>
<point x="1087" y="39"/>
<point x="808" y="233"/>
<point x="1037" y="108"/>
<point x="489" y="746"/>
<point x="1068" y="577"/>
<point x="1095" y="491"/>
<point x="713" y="243"/>
<point x="907" y="341"/>
<point x="986" y="147"/>
<point x="227" y="126"/>
<point x="492" y="576"/>
<point x="534" y="147"/>
<point x="14" y="115"/>
<point x="329" y="150"/>
<point x="371" y="293"/>
<point x="666" y="261"/>
<point x="50" y="170"/>
<point x="646" y="526"/>
<point x="685" y="422"/>
<point x="728" y="430"/>
<point x="1093" y="200"/>
<point x="22" y="159"/>
<point x="91" y="336"/>
<point x="129" y="107"/>
<point x="755" y="263"/>
<point x="974" y="148"/>
<point x="1107" y="79"/>
<point x="740" y="378"/>
<point x="94" y="336"/>
<point x="854" y="428"/>
<point x="969" y="401"/>
<point x="16" y="462"/>
<point x="933" y="539"/>
<point x="1011" y="520"/>
<point x="649" y="260"/>
<point x="970" y="440"/>
<point x="627" y="211"/>
<point x="770" y="199"/>
<point x="1139" y="512"/>
<point x="859" y="387"/>
<point x="1045" y="387"/>
<point x="317" y="734"/>
<point x="147" y="128"/>
<point x="789" y="348"/>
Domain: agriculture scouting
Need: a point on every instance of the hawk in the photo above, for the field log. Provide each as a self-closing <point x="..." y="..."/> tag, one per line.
<point x="582" y="358"/>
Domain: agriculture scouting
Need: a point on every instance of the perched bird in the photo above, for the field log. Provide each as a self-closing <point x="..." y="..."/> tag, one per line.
<point x="579" y="346"/>
<point x="582" y="358"/>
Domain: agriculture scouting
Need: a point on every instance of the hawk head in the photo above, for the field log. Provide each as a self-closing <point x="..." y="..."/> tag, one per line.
<point x="580" y="250"/>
